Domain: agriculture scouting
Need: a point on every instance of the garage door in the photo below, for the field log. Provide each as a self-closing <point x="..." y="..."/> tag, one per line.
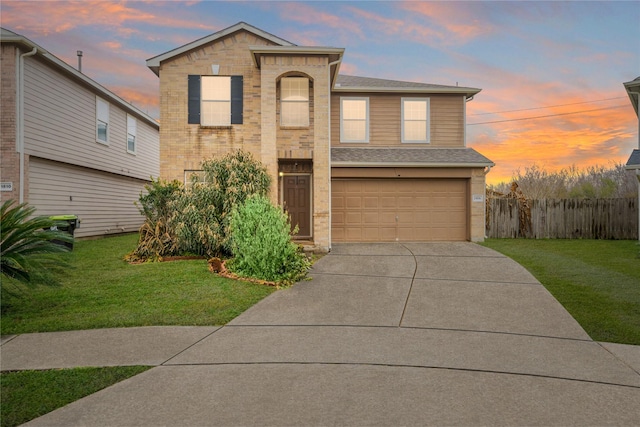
<point x="406" y="210"/>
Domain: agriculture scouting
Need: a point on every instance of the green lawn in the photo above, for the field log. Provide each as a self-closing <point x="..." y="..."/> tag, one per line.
<point x="103" y="291"/>
<point x="597" y="281"/>
<point x="26" y="395"/>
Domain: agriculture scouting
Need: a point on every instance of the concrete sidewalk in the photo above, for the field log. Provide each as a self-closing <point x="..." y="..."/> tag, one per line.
<point x="449" y="333"/>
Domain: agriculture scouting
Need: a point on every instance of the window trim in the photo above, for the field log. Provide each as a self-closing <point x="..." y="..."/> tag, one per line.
<point x="132" y="125"/>
<point x="427" y="121"/>
<point x="306" y="103"/>
<point x="99" y="119"/>
<point x="367" y="119"/>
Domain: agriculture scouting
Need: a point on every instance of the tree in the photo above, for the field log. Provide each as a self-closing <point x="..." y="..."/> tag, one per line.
<point x="27" y="251"/>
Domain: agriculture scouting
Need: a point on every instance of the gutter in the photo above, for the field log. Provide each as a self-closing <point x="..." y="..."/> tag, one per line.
<point x="410" y="165"/>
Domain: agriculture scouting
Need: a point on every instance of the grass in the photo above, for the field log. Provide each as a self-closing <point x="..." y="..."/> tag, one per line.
<point x="597" y="281"/>
<point x="103" y="291"/>
<point x="26" y="395"/>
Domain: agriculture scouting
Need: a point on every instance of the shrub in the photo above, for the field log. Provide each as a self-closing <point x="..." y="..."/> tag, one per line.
<point x="202" y="214"/>
<point x="27" y="250"/>
<point x="156" y="238"/>
<point x="262" y="246"/>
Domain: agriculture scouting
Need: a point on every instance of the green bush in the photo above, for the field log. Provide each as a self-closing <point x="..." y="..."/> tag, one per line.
<point x="201" y="215"/>
<point x="27" y="252"/>
<point x="262" y="246"/>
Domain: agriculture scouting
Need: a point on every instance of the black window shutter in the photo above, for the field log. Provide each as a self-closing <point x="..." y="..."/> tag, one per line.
<point x="236" y="100"/>
<point x="194" y="100"/>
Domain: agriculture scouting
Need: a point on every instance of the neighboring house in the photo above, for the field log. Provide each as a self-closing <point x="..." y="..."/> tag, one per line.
<point x="633" y="89"/>
<point x="70" y="146"/>
<point x="353" y="159"/>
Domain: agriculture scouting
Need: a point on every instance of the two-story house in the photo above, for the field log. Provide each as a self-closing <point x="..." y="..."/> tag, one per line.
<point x="633" y="90"/>
<point x="70" y="146"/>
<point x="354" y="159"/>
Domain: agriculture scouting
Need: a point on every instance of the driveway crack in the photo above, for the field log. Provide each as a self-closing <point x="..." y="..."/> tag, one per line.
<point x="413" y="279"/>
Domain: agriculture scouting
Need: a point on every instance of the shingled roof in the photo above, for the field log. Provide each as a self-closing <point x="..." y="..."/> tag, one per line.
<point x="408" y="157"/>
<point x="347" y="83"/>
<point x="634" y="160"/>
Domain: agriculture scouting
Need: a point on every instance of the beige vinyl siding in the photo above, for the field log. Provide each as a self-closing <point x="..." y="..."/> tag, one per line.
<point x="104" y="202"/>
<point x="60" y="124"/>
<point x="447" y="119"/>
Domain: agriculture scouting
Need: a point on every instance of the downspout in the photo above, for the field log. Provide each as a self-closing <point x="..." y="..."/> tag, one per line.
<point x="20" y="118"/>
<point x="329" y="138"/>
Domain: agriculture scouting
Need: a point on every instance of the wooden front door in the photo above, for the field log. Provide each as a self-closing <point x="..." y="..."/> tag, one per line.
<point x="297" y="202"/>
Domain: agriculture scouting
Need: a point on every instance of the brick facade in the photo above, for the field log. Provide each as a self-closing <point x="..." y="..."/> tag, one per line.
<point x="263" y="61"/>
<point x="9" y="156"/>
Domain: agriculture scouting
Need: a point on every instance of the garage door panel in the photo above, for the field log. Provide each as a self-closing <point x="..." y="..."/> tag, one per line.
<point x="399" y="210"/>
<point x="354" y="202"/>
<point x="370" y="218"/>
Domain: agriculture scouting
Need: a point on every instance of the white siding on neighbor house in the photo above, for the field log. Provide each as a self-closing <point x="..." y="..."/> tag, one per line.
<point x="104" y="202"/>
<point x="60" y="124"/>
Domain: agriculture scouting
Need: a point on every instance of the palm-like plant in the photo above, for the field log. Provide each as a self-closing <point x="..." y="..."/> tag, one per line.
<point x="27" y="252"/>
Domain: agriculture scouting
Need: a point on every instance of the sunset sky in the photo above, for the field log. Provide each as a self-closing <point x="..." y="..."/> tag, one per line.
<point x="565" y="61"/>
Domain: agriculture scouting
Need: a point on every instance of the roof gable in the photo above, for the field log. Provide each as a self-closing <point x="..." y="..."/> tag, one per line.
<point x="154" y="63"/>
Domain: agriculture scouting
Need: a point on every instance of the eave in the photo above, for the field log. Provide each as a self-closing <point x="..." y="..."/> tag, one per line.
<point x="335" y="164"/>
<point x="633" y="90"/>
<point x="334" y="54"/>
<point x="467" y="92"/>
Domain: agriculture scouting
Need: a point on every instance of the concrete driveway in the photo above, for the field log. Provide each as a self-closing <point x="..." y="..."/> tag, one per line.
<point x="386" y="334"/>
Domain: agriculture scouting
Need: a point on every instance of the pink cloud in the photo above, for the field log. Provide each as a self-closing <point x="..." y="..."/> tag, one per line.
<point x="458" y="24"/>
<point x="308" y="15"/>
<point x="64" y="16"/>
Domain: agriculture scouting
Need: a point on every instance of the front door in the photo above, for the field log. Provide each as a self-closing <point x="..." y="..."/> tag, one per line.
<point x="297" y="202"/>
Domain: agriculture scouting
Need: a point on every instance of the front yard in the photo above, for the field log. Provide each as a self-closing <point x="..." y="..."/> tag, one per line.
<point x="103" y="291"/>
<point x="597" y="281"/>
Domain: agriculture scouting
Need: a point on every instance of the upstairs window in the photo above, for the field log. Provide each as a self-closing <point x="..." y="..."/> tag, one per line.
<point x="102" y="121"/>
<point x="354" y="119"/>
<point x="131" y="134"/>
<point x="415" y="120"/>
<point x="215" y="100"/>
<point x="294" y="101"/>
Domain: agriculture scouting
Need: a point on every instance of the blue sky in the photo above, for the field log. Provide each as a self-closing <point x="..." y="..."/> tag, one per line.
<point x="523" y="55"/>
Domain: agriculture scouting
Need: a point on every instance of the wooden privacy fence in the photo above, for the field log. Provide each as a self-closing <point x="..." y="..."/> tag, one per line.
<point x="562" y="218"/>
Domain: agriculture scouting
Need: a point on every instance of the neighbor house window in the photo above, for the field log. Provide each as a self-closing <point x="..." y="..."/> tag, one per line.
<point x="415" y="120"/>
<point x="294" y="101"/>
<point x="354" y="119"/>
<point x="131" y="134"/>
<point x="215" y="100"/>
<point x="102" y="121"/>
